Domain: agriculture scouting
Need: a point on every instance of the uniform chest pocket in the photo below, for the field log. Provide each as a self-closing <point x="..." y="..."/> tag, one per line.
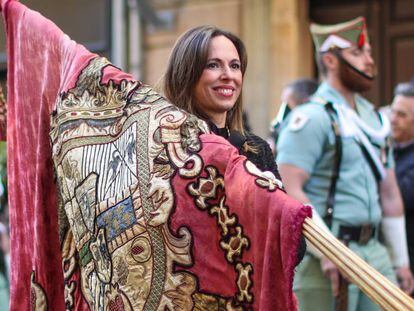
<point x="351" y="151"/>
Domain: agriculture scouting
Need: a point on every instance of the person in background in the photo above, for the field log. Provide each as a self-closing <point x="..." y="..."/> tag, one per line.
<point x="204" y="76"/>
<point x="294" y="94"/>
<point x="332" y="155"/>
<point x="402" y="123"/>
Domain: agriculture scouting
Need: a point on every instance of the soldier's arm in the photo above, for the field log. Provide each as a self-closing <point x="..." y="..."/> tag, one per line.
<point x="300" y="147"/>
<point x="294" y="179"/>
<point x="392" y="205"/>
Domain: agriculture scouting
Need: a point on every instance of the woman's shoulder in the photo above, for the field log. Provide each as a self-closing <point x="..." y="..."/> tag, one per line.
<point x="256" y="141"/>
<point x="261" y="154"/>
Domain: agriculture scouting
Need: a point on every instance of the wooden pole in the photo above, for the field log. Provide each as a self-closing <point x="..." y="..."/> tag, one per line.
<point x="381" y="290"/>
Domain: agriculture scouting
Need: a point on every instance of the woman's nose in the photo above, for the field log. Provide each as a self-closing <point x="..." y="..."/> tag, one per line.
<point x="226" y="72"/>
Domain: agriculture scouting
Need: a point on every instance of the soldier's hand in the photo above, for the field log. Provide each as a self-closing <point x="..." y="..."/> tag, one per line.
<point x="332" y="273"/>
<point x="405" y="279"/>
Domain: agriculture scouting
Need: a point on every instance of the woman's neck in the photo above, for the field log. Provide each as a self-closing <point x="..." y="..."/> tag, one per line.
<point x="219" y="120"/>
<point x="223" y="132"/>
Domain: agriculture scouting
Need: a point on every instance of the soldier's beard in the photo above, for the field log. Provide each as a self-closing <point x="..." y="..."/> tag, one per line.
<point x="354" y="79"/>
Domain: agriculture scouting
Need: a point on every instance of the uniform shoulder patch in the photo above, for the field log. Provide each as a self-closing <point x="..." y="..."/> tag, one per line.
<point x="298" y="121"/>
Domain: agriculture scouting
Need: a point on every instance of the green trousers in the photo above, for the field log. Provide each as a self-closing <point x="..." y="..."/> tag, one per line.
<point x="313" y="289"/>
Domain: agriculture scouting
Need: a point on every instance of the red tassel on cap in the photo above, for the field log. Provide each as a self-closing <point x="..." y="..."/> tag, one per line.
<point x="361" y="40"/>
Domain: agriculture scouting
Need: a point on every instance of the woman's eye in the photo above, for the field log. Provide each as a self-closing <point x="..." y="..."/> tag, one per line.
<point x="212" y="65"/>
<point x="235" y="66"/>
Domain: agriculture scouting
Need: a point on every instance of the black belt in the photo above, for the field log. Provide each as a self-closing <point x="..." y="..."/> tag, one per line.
<point x="361" y="234"/>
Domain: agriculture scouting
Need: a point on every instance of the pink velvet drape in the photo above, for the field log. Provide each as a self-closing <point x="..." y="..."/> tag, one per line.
<point x="41" y="62"/>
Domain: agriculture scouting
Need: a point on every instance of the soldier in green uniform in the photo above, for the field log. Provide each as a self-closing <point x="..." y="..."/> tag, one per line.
<point x="332" y="154"/>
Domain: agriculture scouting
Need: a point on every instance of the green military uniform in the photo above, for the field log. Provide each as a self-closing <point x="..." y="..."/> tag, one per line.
<point x="308" y="142"/>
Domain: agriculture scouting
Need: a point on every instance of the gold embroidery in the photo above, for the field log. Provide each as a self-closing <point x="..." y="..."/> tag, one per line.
<point x="223" y="219"/>
<point x="235" y="245"/>
<point x="243" y="282"/>
<point x="181" y="296"/>
<point x="38" y="300"/>
<point x="69" y="266"/>
<point x="141" y="249"/>
<point x="233" y="242"/>
<point x="117" y="300"/>
<point x="207" y="187"/>
<point x="264" y="179"/>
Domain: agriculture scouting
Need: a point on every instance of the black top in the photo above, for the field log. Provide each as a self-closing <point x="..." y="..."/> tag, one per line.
<point x="262" y="157"/>
<point x="404" y="171"/>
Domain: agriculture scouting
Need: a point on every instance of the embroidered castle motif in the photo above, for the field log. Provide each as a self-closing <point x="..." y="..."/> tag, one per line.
<point x="115" y="147"/>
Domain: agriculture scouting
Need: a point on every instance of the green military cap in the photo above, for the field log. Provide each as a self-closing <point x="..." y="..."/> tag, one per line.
<point x="342" y="35"/>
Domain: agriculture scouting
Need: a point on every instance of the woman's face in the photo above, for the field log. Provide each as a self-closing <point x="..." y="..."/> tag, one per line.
<point x="220" y="83"/>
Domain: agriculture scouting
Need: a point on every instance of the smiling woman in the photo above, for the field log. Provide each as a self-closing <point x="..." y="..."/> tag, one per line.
<point x="205" y="77"/>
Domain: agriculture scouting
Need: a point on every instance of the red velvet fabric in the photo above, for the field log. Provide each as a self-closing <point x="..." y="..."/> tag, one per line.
<point x="271" y="220"/>
<point x="41" y="61"/>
